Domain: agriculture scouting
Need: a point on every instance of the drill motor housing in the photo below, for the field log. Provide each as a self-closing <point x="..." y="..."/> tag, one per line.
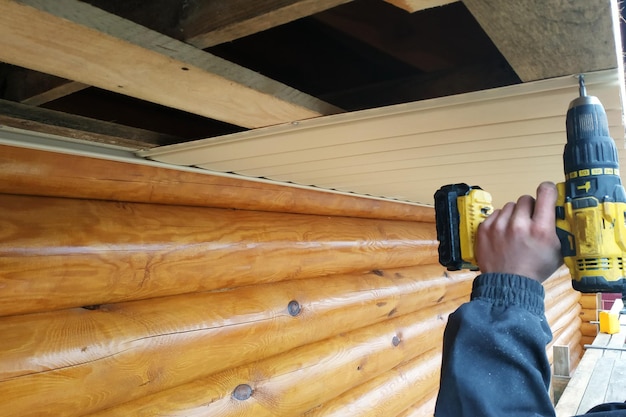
<point x="590" y="208"/>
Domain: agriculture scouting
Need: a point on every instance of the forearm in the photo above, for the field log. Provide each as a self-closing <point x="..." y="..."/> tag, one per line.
<point x="494" y="359"/>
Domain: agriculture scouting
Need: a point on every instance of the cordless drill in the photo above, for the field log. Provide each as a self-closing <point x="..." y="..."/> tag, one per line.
<point x="590" y="207"/>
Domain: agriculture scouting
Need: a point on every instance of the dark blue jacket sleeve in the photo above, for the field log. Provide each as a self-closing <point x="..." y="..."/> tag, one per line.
<point x="494" y="352"/>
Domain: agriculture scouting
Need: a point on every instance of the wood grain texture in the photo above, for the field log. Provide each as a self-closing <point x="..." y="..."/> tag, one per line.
<point x="589" y="301"/>
<point x="389" y="393"/>
<point x="36" y="172"/>
<point x="412" y="6"/>
<point x="298" y="380"/>
<point x="421" y="409"/>
<point x="94" y="252"/>
<point x="129" y="59"/>
<point x="53" y="363"/>
<point x="561" y="28"/>
<point x="589" y="329"/>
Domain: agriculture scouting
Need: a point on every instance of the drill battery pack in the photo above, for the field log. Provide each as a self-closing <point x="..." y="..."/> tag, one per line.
<point x="459" y="210"/>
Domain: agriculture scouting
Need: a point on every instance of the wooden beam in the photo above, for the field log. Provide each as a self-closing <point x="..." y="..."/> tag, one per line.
<point x="543" y="39"/>
<point x="202" y="24"/>
<point x="210" y="23"/>
<point x="412" y="6"/>
<point x="124" y="57"/>
<point x="52" y="122"/>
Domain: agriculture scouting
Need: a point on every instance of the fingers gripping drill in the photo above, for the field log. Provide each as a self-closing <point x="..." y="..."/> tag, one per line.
<point x="590" y="208"/>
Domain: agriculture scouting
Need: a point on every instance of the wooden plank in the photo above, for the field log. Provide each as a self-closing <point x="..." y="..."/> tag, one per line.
<point x="598" y="384"/>
<point x="202" y="24"/>
<point x="615" y="390"/>
<point x="561" y="360"/>
<point x="113" y="251"/>
<point x="66" y="125"/>
<point x="569" y="402"/>
<point x="210" y="23"/>
<point x="135" y="61"/>
<point x="36" y="172"/>
<point x="592" y="379"/>
<point x="413" y="6"/>
<point x="542" y="39"/>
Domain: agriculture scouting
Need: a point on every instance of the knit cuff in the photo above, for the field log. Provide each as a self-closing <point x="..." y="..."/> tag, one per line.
<point x="509" y="289"/>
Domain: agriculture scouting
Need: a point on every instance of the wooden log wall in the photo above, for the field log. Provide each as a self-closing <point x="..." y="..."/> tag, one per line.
<point x="590" y="305"/>
<point x="134" y="290"/>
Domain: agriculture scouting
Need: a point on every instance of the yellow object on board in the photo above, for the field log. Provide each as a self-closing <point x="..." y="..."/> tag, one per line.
<point x="609" y="322"/>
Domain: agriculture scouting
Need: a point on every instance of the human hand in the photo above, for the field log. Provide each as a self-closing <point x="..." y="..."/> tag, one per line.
<point x="521" y="237"/>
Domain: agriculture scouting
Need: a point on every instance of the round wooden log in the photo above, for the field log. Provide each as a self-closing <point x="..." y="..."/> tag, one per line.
<point x="36" y="172"/>
<point x="565" y="320"/>
<point x="560" y="276"/>
<point x="589" y="330"/>
<point x="559" y="288"/>
<point x="588" y="314"/>
<point x="586" y="340"/>
<point x="58" y="362"/>
<point x="387" y="394"/>
<point x="565" y="329"/>
<point x="558" y="306"/>
<point x="94" y="252"/>
<point x="294" y="382"/>
<point x="426" y="408"/>
<point x="589" y="301"/>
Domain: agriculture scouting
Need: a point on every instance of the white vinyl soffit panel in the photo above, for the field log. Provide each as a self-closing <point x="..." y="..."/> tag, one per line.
<point x="506" y="140"/>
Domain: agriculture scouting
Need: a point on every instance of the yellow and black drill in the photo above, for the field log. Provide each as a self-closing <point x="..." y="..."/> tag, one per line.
<point x="590" y="210"/>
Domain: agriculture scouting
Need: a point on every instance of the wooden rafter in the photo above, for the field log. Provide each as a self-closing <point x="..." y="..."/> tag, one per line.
<point x="79" y="42"/>
<point x="213" y="22"/>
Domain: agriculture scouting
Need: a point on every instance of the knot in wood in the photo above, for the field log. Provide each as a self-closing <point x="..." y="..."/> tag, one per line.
<point x="294" y="308"/>
<point x="242" y="392"/>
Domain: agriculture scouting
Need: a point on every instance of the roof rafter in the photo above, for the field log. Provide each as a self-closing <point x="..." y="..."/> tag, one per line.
<point x="127" y="58"/>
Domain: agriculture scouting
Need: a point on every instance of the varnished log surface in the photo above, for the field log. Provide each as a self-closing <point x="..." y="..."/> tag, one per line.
<point x="124" y="351"/>
<point x="93" y="252"/>
<point x="330" y="367"/>
<point x="335" y="311"/>
<point x="389" y="393"/>
<point x="35" y="172"/>
<point x="425" y="408"/>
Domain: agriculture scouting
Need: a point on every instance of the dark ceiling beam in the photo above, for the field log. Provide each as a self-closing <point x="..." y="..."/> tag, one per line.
<point x="209" y="23"/>
<point x="435" y="39"/>
<point x="546" y="39"/>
